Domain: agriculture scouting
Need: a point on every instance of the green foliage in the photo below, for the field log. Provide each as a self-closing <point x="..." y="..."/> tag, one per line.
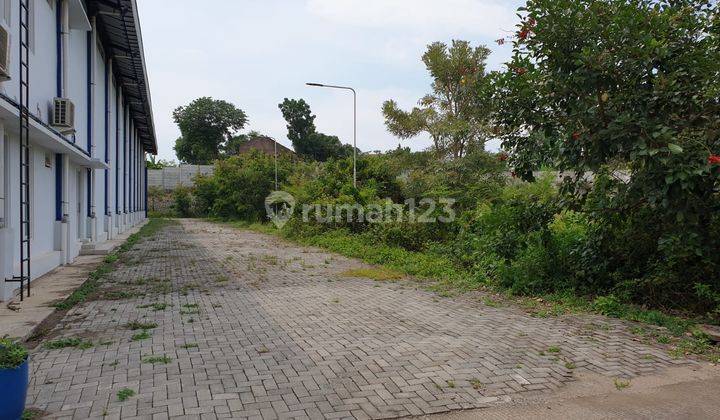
<point x="239" y="185"/>
<point x="456" y="114"/>
<point x="124" y="394"/>
<point x="12" y="354"/>
<point x="142" y="335"/>
<point x="206" y="126"/>
<point x="83" y="292"/>
<point x="157" y="359"/>
<point x="153" y="163"/>
<point x="626" y="91"/>
<point x="306" y="141"/>
<point x="139" y="325"/>
<point x="182" y="201"/>
<point x="73" y="342"/>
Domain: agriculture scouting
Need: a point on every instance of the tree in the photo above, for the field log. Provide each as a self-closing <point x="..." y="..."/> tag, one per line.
<point x="456" y="114"/>
<point x="306" y="140"/>
<point x="627" y="90"/>
<point x="153" y="163"/>
<point x="206" y="126"/>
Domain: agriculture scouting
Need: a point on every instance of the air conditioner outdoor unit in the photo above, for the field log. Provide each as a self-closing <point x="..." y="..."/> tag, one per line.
<point x="63" y="116"/>
<point x="4" y="54"/>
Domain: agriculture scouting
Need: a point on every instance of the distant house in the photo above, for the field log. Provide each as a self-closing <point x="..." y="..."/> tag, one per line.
<point x="265" y="145"/>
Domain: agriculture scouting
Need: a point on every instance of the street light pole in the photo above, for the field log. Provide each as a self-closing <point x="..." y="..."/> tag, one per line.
<point x="354" y="123"/>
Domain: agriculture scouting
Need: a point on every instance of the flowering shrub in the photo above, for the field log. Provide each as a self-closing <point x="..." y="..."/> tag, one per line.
<point x="624" y="96"/>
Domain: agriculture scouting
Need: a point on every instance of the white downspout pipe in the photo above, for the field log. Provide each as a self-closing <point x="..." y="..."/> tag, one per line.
<point x="65" y="42"/>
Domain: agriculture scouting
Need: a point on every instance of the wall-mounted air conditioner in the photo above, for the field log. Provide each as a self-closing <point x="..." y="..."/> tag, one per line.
<point x="4" y="54"/>
<point x="63" y="115"/>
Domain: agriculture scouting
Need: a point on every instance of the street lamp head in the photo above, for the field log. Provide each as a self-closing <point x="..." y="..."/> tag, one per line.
<point x="315" y="84"/>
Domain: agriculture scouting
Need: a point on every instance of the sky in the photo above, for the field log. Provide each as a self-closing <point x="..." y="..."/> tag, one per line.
<point x="254" y="53"/>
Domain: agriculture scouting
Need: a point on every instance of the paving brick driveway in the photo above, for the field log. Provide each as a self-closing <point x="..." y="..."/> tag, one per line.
<point x="257" y="327"/>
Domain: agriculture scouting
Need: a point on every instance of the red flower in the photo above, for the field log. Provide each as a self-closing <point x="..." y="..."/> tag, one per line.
<point x="520" y="70"/>
<point x="502" y="157"/>
<point x="523" y="34"/>
<point x="531" y="22"/>
<point x="575" y="135"/>
<point x="714" y="160"/>
<point x="500" y="41"/>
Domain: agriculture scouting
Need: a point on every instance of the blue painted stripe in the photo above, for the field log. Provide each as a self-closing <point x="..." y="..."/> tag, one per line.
<point x="107" y="134"/>
<point x="125" y="124"/>
<point x="117" y="151"/>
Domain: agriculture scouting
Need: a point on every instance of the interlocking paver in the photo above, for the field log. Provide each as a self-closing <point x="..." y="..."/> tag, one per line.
<point x="257" y="327"/>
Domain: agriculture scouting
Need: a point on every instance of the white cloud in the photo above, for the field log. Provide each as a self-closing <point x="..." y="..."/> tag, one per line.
<point x="479" y="17"/>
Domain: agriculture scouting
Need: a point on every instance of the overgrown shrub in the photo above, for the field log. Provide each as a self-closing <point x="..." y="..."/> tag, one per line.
<point x="182" y="201"/>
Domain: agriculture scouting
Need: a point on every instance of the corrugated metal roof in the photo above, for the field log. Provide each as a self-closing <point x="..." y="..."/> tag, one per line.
<point x="119" y="29"/>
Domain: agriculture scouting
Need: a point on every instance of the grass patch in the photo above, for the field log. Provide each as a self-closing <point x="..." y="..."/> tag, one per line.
<point x="143" y="335"/>
<point x="155" y="306"/>
<point x="374" y="273"/>
<point x="477" y="384"/>
<point x="138" y="325"/>
<point x="33" y="414"/>
<point x="68" y="342"/>
<point x="82" y="293"/>
<point x="149" y="229"/>
<point x="621" y="384"/>
<point x="189" y="346"/>
<point x="124" y="394"/>
<point x="189" y="311"/>
<point x="157" y="360"/>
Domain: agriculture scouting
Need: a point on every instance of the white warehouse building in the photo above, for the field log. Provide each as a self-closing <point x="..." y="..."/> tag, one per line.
<point x="75" y="126"/>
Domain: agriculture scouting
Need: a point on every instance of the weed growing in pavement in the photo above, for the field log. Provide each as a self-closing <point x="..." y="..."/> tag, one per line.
<point x="143" y="335"/>
<point x="73" y="342"/>
<point x="476" y="384"/>
<point x="125" y="393"/>
<point x="621" y="384"/>
<point x="189" y="346"/>
<point x="155" y="306"/>
<point x="137" y="325"/>
<point x="157" y="359"/>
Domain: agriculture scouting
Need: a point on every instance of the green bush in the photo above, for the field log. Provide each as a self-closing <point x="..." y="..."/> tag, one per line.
<point x="12" y="354"/>
<point x="239" y="186"/>
<point x="182" y="201"/>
